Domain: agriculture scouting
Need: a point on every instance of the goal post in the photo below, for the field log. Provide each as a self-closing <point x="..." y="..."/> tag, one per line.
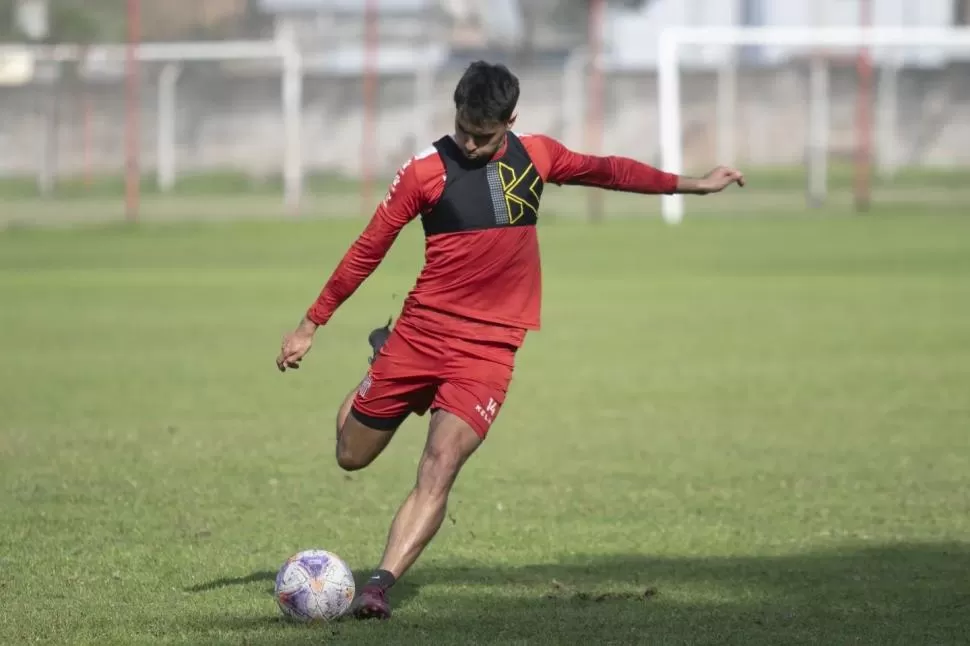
<point x="673" y="41"/>
<point x="170" y="56"/>
<point x="214" y="118"/>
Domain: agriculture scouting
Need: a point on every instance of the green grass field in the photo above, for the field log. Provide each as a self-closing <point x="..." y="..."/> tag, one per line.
<point x="743" y="430"/>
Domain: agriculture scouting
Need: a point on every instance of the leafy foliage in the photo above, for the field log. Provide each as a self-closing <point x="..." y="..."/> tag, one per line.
<point x="75" y="21"/>
<point x="100" y="21"/>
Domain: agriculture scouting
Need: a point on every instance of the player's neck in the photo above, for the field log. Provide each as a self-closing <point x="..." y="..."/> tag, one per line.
<point x="498" y="153"/>
<point x="501" y="149"/>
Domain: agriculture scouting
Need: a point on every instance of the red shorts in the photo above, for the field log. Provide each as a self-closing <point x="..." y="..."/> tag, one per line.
<point x="417" y="370"/>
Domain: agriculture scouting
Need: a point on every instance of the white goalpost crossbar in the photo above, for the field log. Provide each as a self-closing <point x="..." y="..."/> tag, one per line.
<point x="674" y="38"/>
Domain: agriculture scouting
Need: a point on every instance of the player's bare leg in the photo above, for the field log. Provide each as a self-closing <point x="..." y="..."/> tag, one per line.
<point x="451" y="441"/>
<point x="358" y="444"/>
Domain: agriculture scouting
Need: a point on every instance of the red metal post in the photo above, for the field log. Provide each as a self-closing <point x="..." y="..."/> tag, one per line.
<point x="368" y="140"/>
<point x="595" y="98"/>
<point x="133" y="113"/>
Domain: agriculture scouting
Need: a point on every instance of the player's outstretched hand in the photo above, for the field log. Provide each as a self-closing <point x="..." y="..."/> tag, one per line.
<point x="722" y="177"/>
<point x="295" y="346"/>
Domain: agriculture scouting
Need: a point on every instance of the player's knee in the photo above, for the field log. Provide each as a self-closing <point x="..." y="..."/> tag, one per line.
<point x="348" y="460"/>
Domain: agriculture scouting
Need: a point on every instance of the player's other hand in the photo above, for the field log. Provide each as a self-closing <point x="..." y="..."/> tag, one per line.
<point x="295" y="346"/>
<point x="720" y="178"/>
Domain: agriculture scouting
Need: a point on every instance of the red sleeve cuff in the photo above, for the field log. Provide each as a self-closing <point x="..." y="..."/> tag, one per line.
<point x="670" y="183"/>
<point x="318" y="314"/>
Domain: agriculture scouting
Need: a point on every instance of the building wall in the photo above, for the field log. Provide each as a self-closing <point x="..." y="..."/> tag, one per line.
<point x="633" y="35"/>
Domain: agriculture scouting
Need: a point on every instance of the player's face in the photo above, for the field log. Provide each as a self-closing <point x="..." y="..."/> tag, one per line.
<point x="480" y="142"/>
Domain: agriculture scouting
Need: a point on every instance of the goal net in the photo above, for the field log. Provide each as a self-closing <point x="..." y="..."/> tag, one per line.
<point x="819" y="118"/>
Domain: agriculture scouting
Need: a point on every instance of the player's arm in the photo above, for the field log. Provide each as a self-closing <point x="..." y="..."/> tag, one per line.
<point x="404" y="201"/>
<point x="625" y="174"/>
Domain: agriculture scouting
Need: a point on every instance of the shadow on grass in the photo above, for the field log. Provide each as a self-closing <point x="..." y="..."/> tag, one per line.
<point x="403" y="591"/>
<point x="898" y="594"/>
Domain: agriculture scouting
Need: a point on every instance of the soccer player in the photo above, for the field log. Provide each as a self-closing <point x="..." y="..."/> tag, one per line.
<point x="452" y="349"/>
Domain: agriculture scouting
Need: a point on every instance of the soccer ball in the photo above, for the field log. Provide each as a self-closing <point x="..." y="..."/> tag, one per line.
<point x="314" y="585"/>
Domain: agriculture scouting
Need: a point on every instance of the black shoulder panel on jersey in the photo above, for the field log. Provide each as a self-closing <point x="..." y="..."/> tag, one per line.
<point x="500" y="193"/>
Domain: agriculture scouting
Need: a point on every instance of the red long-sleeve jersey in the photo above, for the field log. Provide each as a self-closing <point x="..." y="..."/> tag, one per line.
<point x="484" y="283"/>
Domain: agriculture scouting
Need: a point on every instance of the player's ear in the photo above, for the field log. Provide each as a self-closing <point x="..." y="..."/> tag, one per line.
<point x="512" y="121"/>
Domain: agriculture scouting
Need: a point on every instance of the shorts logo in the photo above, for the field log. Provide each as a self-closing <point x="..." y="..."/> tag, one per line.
<point x="488" y="411"/>
<point x="364" y="387"/>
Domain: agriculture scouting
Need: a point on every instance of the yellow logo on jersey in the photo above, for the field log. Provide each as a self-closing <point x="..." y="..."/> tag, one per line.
<point x="519" y="202"/>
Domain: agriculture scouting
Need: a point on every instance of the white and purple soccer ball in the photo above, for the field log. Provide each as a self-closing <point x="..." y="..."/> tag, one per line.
<point x="314" y="585"/>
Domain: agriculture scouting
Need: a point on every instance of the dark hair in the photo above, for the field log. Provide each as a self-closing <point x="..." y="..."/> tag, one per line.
<point x="486" y="94"/>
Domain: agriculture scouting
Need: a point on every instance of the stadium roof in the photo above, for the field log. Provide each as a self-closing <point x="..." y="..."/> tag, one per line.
<point x="347" y="6"/>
